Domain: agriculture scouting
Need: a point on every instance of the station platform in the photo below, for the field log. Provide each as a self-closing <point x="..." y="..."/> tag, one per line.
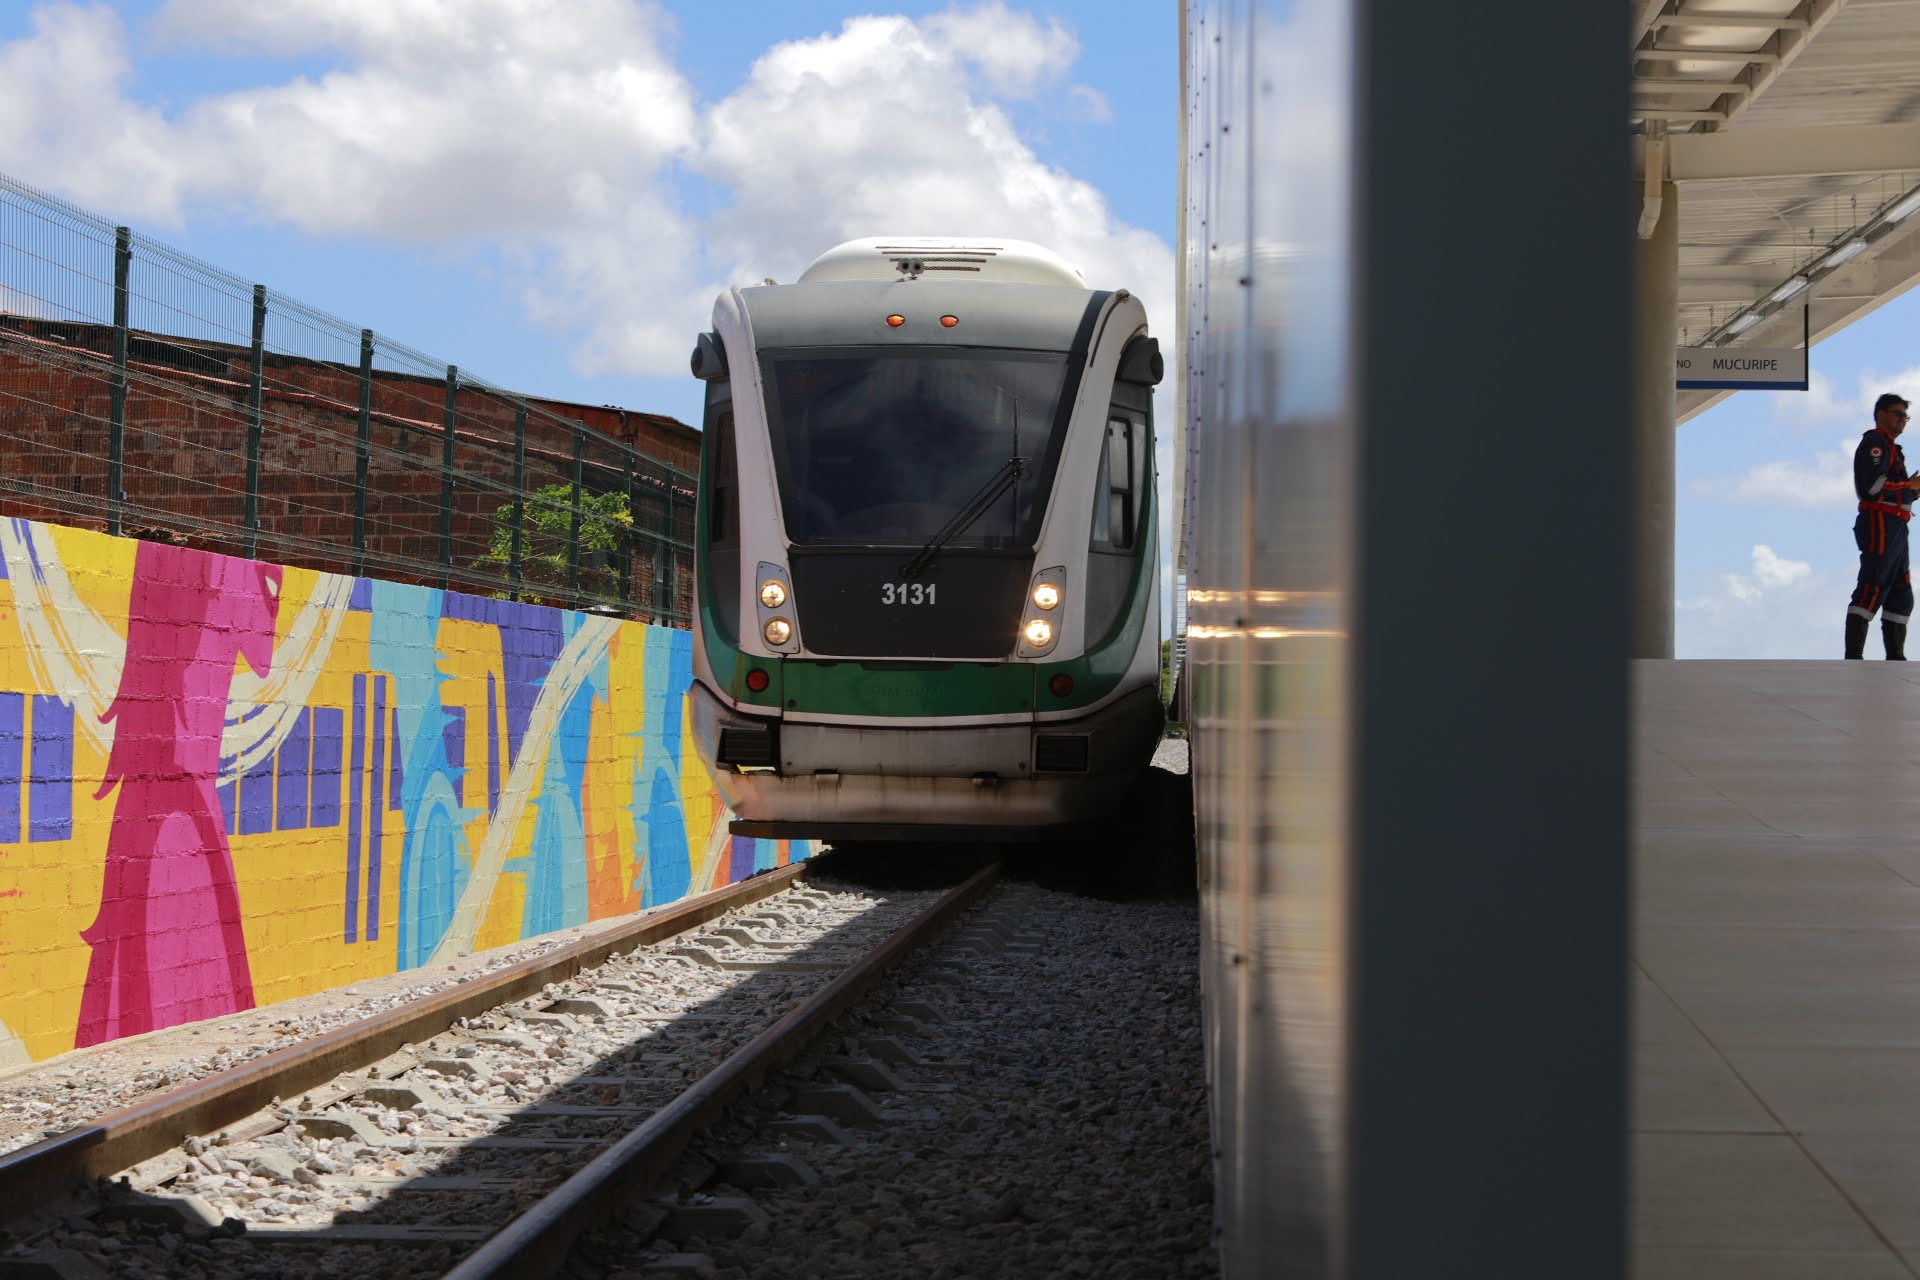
<point x="1777" y="977"/>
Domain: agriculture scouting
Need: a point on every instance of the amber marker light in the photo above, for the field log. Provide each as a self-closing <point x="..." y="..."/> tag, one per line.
<point x="947" y="322"/>
<point x="757" y="680"/>
<point x="894" y="322"/>
<point x="1046" y="596"/>
<point x="773" y="593"/>
<point x="778" y="631"/>
<point x="1039" y="633"/>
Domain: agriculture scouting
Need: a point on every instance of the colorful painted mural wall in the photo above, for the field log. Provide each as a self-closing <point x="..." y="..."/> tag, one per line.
<point x="226" y="783"/>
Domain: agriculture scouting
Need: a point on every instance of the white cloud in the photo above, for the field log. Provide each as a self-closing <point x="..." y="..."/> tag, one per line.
<point x="1011" y="50"/>
<point x="1824" y="404"/>
<point x="1824" y="484"/>
<point x="1088" y="103"/>
<point x="1770" y="573"/>
<point x="68" y="125"/>
<point x="1778" y="608"/>
<point x="552" y="133"/>
<point x="490" y="117"/>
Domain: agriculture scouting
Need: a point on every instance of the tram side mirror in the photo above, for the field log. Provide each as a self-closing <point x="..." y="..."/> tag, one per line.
<point x="709" y="358"/>
<point x="1141" y="363"/>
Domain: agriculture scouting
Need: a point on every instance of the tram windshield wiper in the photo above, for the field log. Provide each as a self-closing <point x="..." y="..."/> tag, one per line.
<point x="979" y="504"/>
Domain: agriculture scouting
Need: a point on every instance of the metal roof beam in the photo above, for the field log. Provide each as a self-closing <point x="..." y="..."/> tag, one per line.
<point x="1791" y="45"/>
<point x="1646" y="12"/>
<point x="1734" y="290"/>
<point x="1653" y="84"/>
<point x="1794" y="153"/>
<point x="1857" y="289"/>
<point x="1705" y="55"/>
<point x="1735" y="21"/>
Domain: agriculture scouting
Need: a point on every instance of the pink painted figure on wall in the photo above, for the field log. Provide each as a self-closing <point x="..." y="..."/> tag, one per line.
<point x="168" y="945"/>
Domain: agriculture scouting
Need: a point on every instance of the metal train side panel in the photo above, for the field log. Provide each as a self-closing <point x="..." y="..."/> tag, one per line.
<point x="1266" y="620"/>
<point x="1409" y="765"/>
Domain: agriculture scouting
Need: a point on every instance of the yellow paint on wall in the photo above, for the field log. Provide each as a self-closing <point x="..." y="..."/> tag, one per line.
<point x="626" y="715"/>
<point x="293" y="884"/>
<point x="507" y="908"/>
<point x="50" y="889"/>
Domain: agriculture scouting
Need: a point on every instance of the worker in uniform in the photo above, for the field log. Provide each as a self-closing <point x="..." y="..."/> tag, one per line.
<point x="1886" y="494"/>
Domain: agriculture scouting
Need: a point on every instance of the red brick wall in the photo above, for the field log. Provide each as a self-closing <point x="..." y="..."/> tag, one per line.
<point x="185" y="455"/>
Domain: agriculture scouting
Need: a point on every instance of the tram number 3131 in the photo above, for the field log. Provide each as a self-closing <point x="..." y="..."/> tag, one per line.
<point x="907" y="592"/>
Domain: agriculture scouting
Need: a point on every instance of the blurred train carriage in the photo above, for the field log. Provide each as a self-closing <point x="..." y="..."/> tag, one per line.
<point x="927" y="587"/>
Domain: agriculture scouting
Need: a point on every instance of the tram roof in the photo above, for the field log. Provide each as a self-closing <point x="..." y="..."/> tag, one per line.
<point x="1033" y="317"/>
<point x="953" y="257"/>
<point x="1792" y="128"/>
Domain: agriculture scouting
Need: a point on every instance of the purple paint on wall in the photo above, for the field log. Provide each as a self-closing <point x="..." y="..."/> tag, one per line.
<point x="327" y="730"/>
<point x="740" y="858"/>
<point x="356" y="788"/>
<point x="376" y="809"/>
<point x="13" y="757"/>
<point x="294" y="761"/>
<point x="50" y="770"/>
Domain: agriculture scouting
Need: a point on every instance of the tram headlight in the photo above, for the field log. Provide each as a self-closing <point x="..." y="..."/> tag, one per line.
<point x="1038" y="633"/>
<point x="777" y="631"/>
<point x="773" y="593"/>
<point x="1046" y="596"/>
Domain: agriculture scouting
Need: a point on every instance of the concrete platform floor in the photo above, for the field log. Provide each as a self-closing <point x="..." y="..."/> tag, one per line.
<point x="1777" y="978"/>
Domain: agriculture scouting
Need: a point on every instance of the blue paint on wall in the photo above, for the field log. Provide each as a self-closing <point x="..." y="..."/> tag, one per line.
<point x="555" y="867"/>
<point x="665" y="870"/>
<point x="434" y="862"/>
<point x="667" y="873"/>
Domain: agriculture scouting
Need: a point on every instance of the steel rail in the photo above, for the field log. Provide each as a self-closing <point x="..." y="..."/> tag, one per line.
<point x="52" y="1169"/>
<point x="537" y="1242"/>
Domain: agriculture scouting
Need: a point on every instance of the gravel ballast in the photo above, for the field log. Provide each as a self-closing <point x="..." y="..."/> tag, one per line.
<point x="80" y="1087"/>
<point x="1056" y="1124"/>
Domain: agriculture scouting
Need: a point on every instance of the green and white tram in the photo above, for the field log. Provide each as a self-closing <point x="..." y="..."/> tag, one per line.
<point x="927" y="576"/>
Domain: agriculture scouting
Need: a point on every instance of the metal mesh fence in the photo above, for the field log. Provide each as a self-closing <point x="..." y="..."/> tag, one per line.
<point x="149" y="393"/>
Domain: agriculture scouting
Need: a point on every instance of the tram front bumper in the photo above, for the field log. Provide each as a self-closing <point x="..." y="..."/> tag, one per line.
<point x="796" y="780"/>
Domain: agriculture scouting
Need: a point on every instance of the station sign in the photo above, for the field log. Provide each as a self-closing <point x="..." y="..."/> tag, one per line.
<point x="1740" y="368"/>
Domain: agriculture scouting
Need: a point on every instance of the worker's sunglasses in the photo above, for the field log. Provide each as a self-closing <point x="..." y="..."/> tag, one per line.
<point x="1897" y="413"/>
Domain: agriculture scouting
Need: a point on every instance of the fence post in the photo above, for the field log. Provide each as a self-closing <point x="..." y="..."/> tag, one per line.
<point x="362" y="449"/>
<point x="663" y="564"/>
<point x="256" y="379"/>
<point x="117" y="386"/>
<point x="446" y="474"/>
<point x="519" y="495"/>
<point x="626" y="541"/>
<point x="573" y="532"/>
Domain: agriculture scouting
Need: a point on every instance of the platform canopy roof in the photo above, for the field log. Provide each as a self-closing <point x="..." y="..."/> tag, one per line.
<point x="1792" y="131"/>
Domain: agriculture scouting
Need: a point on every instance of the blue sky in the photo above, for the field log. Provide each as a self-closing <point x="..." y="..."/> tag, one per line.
<point x="553" y="204"/>
<point x="1098" y="111"/>
<point x="1765" y="557"/>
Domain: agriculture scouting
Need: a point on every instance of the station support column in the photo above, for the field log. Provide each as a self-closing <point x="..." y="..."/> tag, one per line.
<point x="1656" y="310"/>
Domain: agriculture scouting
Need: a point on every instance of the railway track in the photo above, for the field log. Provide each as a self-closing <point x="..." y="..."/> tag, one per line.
<point x="1028" y="1100"/>
<point x="482" y="1130"/>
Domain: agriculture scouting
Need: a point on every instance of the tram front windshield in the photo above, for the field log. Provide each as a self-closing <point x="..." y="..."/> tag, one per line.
<point x="885" y="445"/>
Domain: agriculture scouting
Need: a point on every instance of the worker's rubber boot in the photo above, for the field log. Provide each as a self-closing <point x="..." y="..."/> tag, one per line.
<point x="1895" y="634"/>
<point x="1856" y="636"/>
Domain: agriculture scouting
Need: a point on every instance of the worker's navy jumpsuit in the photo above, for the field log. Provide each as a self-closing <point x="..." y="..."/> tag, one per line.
<point x="1886" y="504"/>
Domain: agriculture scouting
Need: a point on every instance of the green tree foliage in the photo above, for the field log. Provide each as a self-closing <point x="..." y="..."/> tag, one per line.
<point x="545" y="532"/>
